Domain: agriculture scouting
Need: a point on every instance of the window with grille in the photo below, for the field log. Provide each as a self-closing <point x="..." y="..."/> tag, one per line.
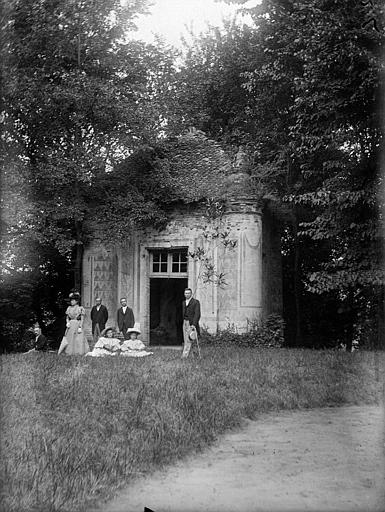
<point x="159" y="262"/>
<point x="179" y="262"/>
<point x="169" y="263"/>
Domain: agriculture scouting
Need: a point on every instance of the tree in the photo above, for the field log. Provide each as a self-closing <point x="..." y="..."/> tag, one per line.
<point x="76" y="96"/>
<point x="334" y="137"/>
<point x="302" y="97"/>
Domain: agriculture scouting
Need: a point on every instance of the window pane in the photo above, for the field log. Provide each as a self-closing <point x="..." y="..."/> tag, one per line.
<point x="170" y="261"/>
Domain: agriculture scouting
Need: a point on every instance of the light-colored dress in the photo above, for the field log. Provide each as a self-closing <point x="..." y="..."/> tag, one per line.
<point x="134" y="348"/>
<point x="77" y="342"/>
<point x="105" y="347"/>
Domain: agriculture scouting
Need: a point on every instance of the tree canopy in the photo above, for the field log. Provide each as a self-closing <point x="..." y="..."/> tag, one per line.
<point x="300" y="90"/>
<point x="92" y="125"/>
<point x="77" y="97"/>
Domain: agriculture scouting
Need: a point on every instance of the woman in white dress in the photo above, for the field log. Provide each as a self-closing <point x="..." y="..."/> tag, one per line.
<point x="133" y="347"/>
<point x="106" y="345"/>
<point x="74" y="341"/>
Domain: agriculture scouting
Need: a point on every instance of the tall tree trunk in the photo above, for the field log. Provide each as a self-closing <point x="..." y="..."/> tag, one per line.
<point x="78" y="257"/>
<point x="350" y="320"/>
<point x="297" y="286"/>
<point x="347" y="318"/>
<point x="292" y="177"/>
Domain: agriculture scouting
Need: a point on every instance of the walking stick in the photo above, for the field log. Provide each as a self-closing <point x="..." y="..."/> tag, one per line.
<point x="199" y="349"/>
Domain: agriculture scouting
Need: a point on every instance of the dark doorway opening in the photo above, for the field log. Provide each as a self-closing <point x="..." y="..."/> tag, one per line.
<point x="166" y="296"/>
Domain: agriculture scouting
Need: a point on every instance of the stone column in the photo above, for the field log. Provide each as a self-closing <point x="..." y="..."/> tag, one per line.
<point x="240" y="301"/>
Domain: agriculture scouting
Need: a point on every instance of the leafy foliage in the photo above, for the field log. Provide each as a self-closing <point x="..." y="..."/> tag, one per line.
<point x="216" y="235"/>
<point x="302" y="98"/>
<point x="265" y="333"/>
<point x="77" y="96"/>
<point x="298" y="94"/>
<point x="144" y="188"/>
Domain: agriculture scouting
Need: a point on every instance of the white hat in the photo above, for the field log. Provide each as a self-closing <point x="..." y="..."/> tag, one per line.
<point x="136" y="328"/>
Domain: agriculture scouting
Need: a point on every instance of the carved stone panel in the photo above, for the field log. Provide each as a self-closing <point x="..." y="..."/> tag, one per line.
<point x="250" y="269"/>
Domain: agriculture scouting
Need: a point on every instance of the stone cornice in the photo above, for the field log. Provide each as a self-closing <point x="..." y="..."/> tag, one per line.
<point x="243" y="204"/>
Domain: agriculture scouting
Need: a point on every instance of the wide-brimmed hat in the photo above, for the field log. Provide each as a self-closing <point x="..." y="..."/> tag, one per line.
<point x="104" y="331"/>
<point x="74" y="295"/>
<point x="136" y="328"/>
<point x="193" y="334"/>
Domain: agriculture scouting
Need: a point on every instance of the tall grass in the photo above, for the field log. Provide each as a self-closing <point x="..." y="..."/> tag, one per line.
<point x="75" y="429"/>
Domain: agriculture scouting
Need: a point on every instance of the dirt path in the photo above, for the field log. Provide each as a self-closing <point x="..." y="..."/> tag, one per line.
<point x="329" y="459"/>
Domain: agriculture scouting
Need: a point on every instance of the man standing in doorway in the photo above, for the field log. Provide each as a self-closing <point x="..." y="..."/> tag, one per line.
<point x="191" y="315"/>
<point x="99" y="317"/>
<point x="125" y="318"/>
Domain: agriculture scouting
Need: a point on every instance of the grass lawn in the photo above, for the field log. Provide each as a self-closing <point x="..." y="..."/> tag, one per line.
<point x="74" y="429"/>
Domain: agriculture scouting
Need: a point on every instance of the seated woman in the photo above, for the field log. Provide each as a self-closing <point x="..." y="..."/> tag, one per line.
<point x="106" y="345"/>
<point x="133" y="347"/>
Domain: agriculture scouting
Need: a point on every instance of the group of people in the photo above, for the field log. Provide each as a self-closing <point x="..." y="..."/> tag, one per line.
<point x="75" y="342"/>
<point x="107" y="345"/>
<point x="99" y="317"/>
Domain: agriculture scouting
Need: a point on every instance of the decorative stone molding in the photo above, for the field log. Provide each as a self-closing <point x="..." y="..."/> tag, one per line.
<point x="240" y="301"/>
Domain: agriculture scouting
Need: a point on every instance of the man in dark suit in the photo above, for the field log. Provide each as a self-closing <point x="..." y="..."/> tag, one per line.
<point x="125" y="318"/>
<point x="191" y="310"/>
<point x="99" y="317"/>
<point x="41" y="342"/>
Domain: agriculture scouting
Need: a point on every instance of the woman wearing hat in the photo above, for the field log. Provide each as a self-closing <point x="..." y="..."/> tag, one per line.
<point x="74" y="341"/>
<point x="133" y="347"/>
<point x="106" y="345"/>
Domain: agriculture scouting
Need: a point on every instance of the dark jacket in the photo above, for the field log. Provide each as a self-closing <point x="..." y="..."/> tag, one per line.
<point x="41" y="342"/>
<point x="192" y="312"/>
<point x="99" y="317"/>
<point x="125" y="321"/>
